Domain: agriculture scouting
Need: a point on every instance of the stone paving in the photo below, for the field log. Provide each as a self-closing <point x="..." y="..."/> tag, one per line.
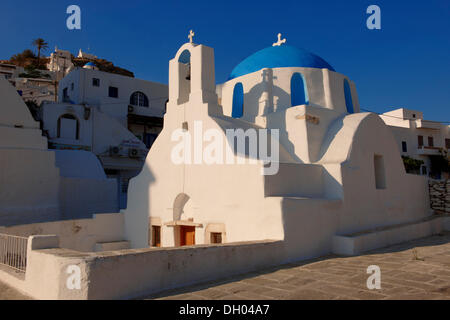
<point x="418" y="269"/>
<point x="8" y="293"/>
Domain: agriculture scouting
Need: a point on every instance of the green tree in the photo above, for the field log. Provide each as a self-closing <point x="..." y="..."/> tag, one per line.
<point x="41" y="45"/>
<point x="32" y="72"/>
<point x="23" y="59"/>
<point x="412" y="165"/>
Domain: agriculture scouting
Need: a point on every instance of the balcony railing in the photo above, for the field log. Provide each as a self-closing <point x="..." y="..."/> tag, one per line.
<point x="13" y="252"/>
<point x="426" y="124"/>
<point x="426" y="150"/>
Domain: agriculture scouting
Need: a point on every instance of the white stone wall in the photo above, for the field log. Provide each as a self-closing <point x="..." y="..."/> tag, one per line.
<point x="80" y="234"/>
<point x="29" y="179"/>
<point x="135" y="273"/>
<point x="125" y="274"/>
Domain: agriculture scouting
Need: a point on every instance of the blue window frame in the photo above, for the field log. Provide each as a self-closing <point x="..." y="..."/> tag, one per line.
<point x="238" y="101"/>
<point x="348" y="97"/>
<point x="299" y="91"/>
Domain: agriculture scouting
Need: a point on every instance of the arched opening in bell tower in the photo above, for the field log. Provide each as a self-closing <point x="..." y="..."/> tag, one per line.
<point x="184" y="63"/>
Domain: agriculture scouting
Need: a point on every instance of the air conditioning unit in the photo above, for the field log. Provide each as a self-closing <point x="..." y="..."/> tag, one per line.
<point x="114" y="151"/>
<point x="133" y="153"/>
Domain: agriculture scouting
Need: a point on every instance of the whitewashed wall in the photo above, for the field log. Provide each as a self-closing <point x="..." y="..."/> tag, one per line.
<point x="79" y="234"/>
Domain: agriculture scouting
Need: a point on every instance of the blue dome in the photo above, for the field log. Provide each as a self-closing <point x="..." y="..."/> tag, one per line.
<point x="278" y="57"/>
<point x="90" y="64"/>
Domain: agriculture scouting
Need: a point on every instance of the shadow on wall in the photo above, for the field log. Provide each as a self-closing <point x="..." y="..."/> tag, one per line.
<point x="308" y="226"/>
<point x="264" y="92"/>
<point x="14" y="218"/>
<point x="333" y="130"/>
<point x="273" y="95"/>
<point x="138" y="223"/>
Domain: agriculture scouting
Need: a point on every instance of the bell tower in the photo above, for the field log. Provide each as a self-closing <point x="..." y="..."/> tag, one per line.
<point x="192" y="75"/>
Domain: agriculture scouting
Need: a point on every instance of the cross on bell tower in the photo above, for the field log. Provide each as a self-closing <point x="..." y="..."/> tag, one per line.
<point x="279" y="42"/>
<point x="191" y="36"/>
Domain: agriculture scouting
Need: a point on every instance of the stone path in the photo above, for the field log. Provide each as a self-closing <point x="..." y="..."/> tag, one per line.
<point x="418" y="269"/>
<point x="8" y="293"/>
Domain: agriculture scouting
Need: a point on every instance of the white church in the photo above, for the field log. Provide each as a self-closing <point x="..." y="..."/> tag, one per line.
<point x="333" y="181"/>
<point x="339" y="170"/>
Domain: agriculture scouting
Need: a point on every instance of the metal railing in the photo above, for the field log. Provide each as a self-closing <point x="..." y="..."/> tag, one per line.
<point x="13" y="252"/>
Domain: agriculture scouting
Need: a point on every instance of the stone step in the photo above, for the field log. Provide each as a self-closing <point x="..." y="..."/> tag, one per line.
<point x="360" y="242"/>
<point x="111" y="246"/>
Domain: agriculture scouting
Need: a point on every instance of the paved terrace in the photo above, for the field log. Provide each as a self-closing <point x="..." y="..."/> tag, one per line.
<point x="8" y="293"/>
<point x="418" y="269"/>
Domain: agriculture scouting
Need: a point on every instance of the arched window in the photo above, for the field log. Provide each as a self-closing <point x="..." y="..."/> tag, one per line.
<point x="185" y="57"/>
<point x="238" y="101"/>
<point x="139" y="99"/>
<point x="299" y="91"/>
<point x="184" y="76"/>
<point x="348" y="97"/>
<point x="68" y="127"/>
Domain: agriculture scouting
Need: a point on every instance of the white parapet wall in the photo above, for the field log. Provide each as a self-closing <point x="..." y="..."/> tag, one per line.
<point x="40" y="277"/>
<point x="82" y="234"/>
<point x="52" y="272"/>
<point x="355" y="244"/>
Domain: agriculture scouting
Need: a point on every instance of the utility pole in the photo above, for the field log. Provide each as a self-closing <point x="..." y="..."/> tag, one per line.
<point x="56" y="90"/>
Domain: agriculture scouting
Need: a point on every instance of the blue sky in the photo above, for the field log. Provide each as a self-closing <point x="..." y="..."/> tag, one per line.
<point x="405" y="64"/>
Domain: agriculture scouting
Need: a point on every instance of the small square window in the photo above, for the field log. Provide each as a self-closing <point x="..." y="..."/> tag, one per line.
<point x="380" y="174"/>
<point x="95" y="82"/>
<point x="113" y="92"/>
<point x="216" y="237"/>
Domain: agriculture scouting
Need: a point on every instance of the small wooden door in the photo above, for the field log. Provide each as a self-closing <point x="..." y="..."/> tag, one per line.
<point x="187" y="236"/>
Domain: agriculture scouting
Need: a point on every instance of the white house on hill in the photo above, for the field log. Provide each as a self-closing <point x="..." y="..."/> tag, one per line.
<point x="114" y="116"/>
<point x="60" y="63"/>
<point x="419" y="138"/>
